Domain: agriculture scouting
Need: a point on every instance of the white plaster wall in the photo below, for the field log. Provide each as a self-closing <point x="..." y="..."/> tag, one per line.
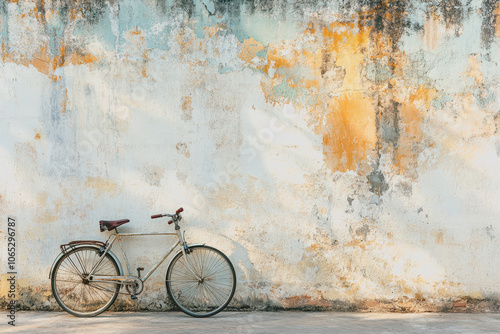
<point x="251" y="174"/>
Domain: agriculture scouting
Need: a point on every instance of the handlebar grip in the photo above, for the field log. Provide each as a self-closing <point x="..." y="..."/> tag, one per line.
<point x="179" y="210"/>
<point x="156" y="216"/>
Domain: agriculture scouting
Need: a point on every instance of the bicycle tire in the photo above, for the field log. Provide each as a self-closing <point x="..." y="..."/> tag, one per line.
<point x="216" y="280"/>
<point x="82" y="298"/>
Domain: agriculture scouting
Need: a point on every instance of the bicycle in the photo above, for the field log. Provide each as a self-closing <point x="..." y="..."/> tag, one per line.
<point x="86" y="277"/>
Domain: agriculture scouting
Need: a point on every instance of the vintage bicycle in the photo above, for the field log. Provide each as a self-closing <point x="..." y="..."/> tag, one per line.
<point x="87" y="276"/>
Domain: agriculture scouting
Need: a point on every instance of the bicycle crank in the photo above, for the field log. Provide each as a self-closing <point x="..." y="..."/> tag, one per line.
<point x="134" y="286"/>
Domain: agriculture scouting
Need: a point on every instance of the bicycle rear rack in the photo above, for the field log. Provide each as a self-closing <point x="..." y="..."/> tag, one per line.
<point x="73" y="244"/>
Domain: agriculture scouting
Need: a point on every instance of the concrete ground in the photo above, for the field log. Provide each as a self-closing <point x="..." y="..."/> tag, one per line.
<point x="254" y="322"/>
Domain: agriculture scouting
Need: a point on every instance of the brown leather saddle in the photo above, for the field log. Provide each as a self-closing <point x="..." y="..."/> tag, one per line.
<point x="111" y="224"/>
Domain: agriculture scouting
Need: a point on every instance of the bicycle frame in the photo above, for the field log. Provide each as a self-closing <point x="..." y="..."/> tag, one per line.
<point x="128" y="280"/>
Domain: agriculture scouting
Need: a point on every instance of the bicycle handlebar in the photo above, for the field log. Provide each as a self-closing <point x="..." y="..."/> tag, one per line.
<point x="179" y="210"/>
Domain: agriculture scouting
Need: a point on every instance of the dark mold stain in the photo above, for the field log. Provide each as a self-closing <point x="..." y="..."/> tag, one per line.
<point x="325" y="62"/>
<point x="187" y="5"/>
<point x="497" y="122"/>
<point x="363" y="231"/>
<point x="405" y="188"/>
<point x="452" y="12"/>
<point x="92" y="12"/>
<point x="228" y="7"/>
<point x="5" y="25"/>
<point x="387" y="18"/>
<point x="389" y="21"/>
<point x="387" y="127"/>
<point x="484" y="95"/>
<point x="300" y="7"/>
<point x="489" y="22"/>
<point x="489" y="232"/>
<point x="375" y="199"/>
<point x="233" y="9"/>
<point x="387" y="123"/>
<point x="377" y="181"/>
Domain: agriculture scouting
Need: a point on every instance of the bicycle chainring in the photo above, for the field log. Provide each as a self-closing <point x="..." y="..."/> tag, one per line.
<point x="136" y="288"/>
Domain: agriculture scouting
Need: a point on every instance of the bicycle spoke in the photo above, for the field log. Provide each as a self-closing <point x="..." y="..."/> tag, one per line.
<point x="73" y="292"/>
<point x="204" y="295"/>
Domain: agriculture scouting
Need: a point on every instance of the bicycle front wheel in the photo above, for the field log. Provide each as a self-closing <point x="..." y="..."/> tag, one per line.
<point x="74" y="292"/>
<point x="202" y="283"/>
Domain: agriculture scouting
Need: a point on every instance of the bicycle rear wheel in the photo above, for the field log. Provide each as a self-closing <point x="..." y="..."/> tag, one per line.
<point x="76" y="294"/>
<point x="202" y="283"/>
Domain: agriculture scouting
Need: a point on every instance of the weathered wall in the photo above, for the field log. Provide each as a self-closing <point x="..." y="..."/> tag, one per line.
<point x="342" y="153"/>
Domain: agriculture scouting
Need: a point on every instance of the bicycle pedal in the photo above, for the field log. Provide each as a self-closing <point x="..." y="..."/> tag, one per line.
<point x="134" y="297"/>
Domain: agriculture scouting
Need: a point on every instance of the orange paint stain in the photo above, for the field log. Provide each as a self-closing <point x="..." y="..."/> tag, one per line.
<point x="145" y="56"/>
<point x="314" y="248"/>
<point x="424" y="95"/>
<point x="439" y="238"/>
<point x="275" y="59"/>
<point x="76" y="58"/>
<point x="37" y="136"/>
<point x="343" y="40"/>
<point x="64" y="102"/>
<point x="348" y="123"/>
<point x="46" y="64"/>
<point x="411" y="115"/>
<point x="411" y="118"/>
<point x="434" y="30"/>
<point x="349" y="134"/>
<point x="213" y="30"/>
<point x="249" y="49"/>
<point x="5" y="54"/>
<point x="348" y="129"/>
<point x="497" y="21"/>
<point x="102" y="186"/>
<point x="190" y="44"/>
<point x="351" y="63"/>
<point x="43" y="61"/>
<point x="186" y="104"/>
<point x="137" y="31"/>
<point x="58" y="60"/>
